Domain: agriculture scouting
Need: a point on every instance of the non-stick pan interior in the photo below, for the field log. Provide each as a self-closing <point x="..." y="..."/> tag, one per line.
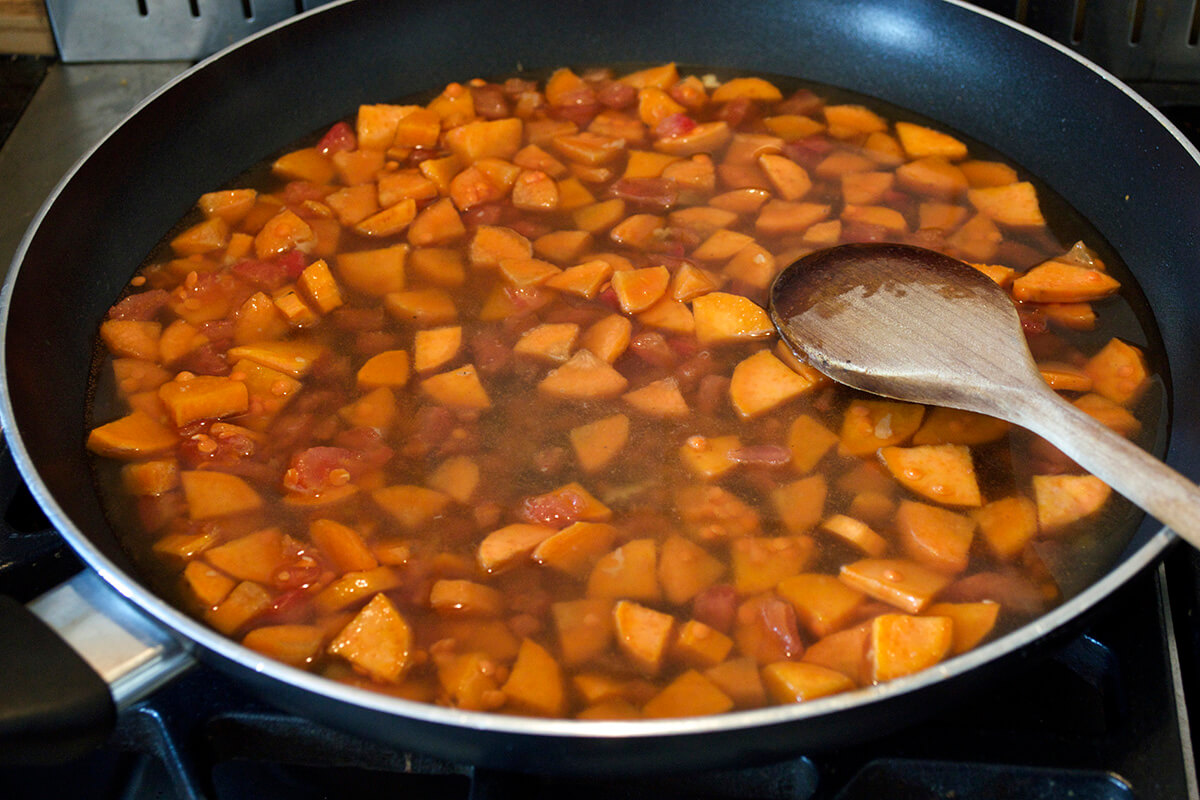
<point x="1103" y="151"/>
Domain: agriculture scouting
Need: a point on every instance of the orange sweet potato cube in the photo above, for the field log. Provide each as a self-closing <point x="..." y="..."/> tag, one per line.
<point x="710" y="457"/>
<point x="661" y="398"/>
<point x="457" y="476"/>
<point x="292" y="644"/>
<point x="583" y="377"/>
<point x="700" y="646"/>
<point x="638" y="289"/>
<point x="1065" y="499"/>
<point x="722" y="317"/>
<point x="937" y="537"/>
<point x="899" y="582"/>
<point x="808" y="440"/>
<point x="972" y="622"/>
<point x="134" y="436"/>
<point x="436" y="347"/>
<point x="342" y="546"/>
<point x="535" y="685"/>
<point x="207" y="586"/>
<point x="942" y="425"/>
<point x="902" y="644"/>
<point x="844" y="651"/>
<point x="919" y="141"/>
<point x="460" y="597"/>
<point x="203" y="237"/>
<point x="377" y="409"/>
<point x="436" y="224"/>
<point x="506" y="547"/>
<point x="386" y="369"/>
<point x="932" y="176"/>
<point x="584" y="629"/>
<point x="500" y="138"/>
<point x="440" y="266"/>
<point x="685" y="569"/>
<point x="1118" y="372"/>
<point x="597" y="443"/>
<point x="707" y="137"/>
<point x="231" y="205"/>
<point x="353" y="204"/>
<point x="305" y="164"/>
<point x="460" y="388"/>
<point x="1007" y="525"/>
<point x="411" y="506"/>
<point x="854" y="118"/>
<point x="763" y="382"/>
<point x="988" y="173"/>
<point x="256" y="556"/>
<point x="759" y="562"/>
<point x="740" y="680"/>
<point x="353" y="588"/>
<point x="779" y="217"/>
<point x="870" y="424"/>
<point x="131" y="338"/>
<point x="551" y="341"/>
<point x="1060" y="282"/>
<point x="643" y="635"/>
<point x="823" y="604"/>
<point x="282" y="233"/>
<point x="943" y="473"/>
<point x="629" y="572"/>
<point x="800" y="504"/>
<point x="246" y="601"/>
<point x="608" y="338"/>
<point x="790" y="180"/>
<point x="689" y="695"/>
<point x="212" y="494"/>
<point x="378" y="641"/>
<point x="797" y="681"/>
<point x="150" y="478"/>
<point x="856" y="533"/>
<point x="1014" y="205"/>
<point x="575" y="549"/>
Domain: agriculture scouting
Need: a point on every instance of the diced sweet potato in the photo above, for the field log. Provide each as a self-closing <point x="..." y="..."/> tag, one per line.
<point x="796" y="681"/>
<point x="548" y="341"/>
<point x="608" y="338"/>
<point x="247" y="600"/>
<point x="1108" y="413"/>
<point x="378" y="641"/>
<point x="387" y="369"/>
<point x="660" y="398"/>
<point x="685" y="569"/>
<point x="254" y="557"/>
<point x="465" y="598"/>
<point x="1006" y="525"/>
<point x="856" y="533"/>
<point x="583" y="377"/>
<point x="689" y="695"/>
<point x="629" y="572"/>
<point x="575" y="549"/>
<point x="296" y="645"/>
<point x="353" y="588"/>
<point x="293" y="357"/>
<point x="898" y="582"/>
<point x="801" y="503"/>
<point x="134" y="436"/>
<point x="739" y="678"/>
<point x="413" y="507"/>
<point x="932" y="176"/>
<point x="972" y="622"/>
<point x="1065" y="499"/>
<point x="421" y="307"/>
<point x="597" y="443"/>
<point x="643" y="635"/>
<point x="710" y="457"/>
<point x="903" y="644"/>
<point x="217" y="494"/>
<point x="341" y="545"/>
<point x="460" y="388"/>
<point x="1064" y="377"/>
<point x="583" y="279"/>
<point x="942" y="425"/>
<point x="504" y="548"/>
<point x="844" y="651"/>
<point x="1059" y="282"/>
<point x="1118" y="372"/>
<point x="919" y="141"/>
<point x="759" y="563"/>
<point x="440" y="266"/>
<point x="722" y="317"/>
<point x="700" y="646"/>
<point x="763" y="382"/>
<point x="823" y="604"/>
<point x="377" y="409"/>
<point x="871" y="424"/>
<point x="458" y="477"/>
<point x="943" y="473"/>
<point x="436" y="347"/>
<point x="584" y="627"/>
<point x="207" y="586"/>
<point x="936" y="537"/>
<point x="780" y="217"/>
<point x="1014" y="205"/>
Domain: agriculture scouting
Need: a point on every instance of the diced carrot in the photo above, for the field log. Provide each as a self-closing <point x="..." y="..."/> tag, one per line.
<point x="377" y="641"/>
<point x="689" y="695"/>
<point x="389" y="368"/>
<point x="797" y="681"/>
<point x="943" y="473"/>
<point x="643" y="635"/>
<point x="759" y="563"/>
<point x="292" y="644"/>
<point x="411" y="506"/>
<point x="936" y="537"/>
<point x="584" y="627"/>
<point x="460" y="388"/>
<point x="972" y="622"/>
<point x="660" y="398"/>
<point x="685" y="569"/>
<point x="1006" y="525"/>
<point x="844" y="651"/>
<point x="801" y="503"/>
<point x="856" y="533"/>
<point x="823" y="604"/>
<point x="1065" y="499"/>
<point x="903" y="644"/>
<point x="1059" y="282"/>
<point x="871" y="424"/>
<point x="608" y="338"/>
<point x="739" y="678"/>
<point x="135" y="436"/>
<point x="630" y="571"/>
<point x="905" y="584"/>
<point x="342" y="545"/>
<point x="583" y="377"/>
<point x="216" y="494"/>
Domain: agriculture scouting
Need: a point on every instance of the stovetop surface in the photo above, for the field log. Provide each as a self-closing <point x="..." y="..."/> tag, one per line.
<point x="1105" y="717"/>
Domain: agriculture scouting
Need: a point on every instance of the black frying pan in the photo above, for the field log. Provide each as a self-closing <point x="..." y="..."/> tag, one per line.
<point x="1103" y="149"/>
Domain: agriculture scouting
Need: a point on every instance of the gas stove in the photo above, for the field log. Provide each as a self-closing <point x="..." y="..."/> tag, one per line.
<point x="1105" y="716"/>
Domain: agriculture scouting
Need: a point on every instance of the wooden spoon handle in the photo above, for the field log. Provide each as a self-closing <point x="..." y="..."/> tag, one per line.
<point x="1130" y="471"/>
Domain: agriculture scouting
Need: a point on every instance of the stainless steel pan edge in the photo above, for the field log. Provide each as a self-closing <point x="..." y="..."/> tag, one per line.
<point x="1130" y="172"/>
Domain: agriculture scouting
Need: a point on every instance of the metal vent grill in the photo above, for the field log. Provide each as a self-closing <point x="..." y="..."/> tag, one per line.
<point x="160" y="30"/>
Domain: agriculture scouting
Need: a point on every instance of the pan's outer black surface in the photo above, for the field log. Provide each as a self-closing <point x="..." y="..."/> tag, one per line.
<point x="1107" y="153"/>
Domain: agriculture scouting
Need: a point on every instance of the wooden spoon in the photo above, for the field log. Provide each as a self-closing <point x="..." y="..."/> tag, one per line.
<point x="915" y="325"/>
